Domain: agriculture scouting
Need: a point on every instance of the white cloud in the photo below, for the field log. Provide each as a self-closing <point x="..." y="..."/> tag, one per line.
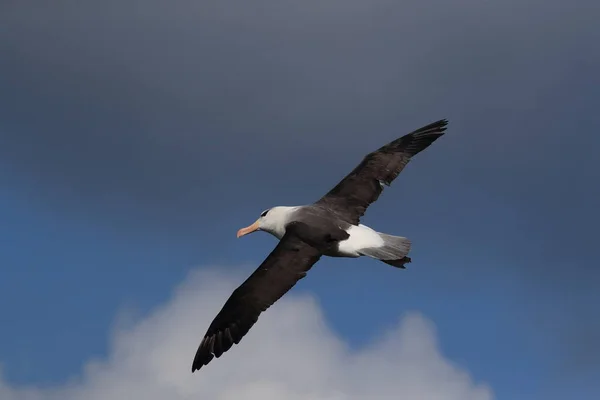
<point x="289" y="354"/>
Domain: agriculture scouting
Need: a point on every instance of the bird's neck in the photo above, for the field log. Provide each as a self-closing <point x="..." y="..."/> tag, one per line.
<point x="284" y="216"/>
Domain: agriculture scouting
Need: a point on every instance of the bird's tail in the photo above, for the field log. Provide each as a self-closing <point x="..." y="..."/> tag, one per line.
<point x="393" y="251"/>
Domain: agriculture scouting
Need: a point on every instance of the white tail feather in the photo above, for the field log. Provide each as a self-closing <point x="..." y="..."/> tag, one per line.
<point x="392" y="248"/>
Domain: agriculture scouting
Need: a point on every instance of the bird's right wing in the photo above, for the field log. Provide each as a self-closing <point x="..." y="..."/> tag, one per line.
<point x="279" y="272"/>
<point x="350" y="198"/>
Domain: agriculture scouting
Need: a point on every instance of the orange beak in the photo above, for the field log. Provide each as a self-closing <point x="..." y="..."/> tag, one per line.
<point x="248" y="229"/>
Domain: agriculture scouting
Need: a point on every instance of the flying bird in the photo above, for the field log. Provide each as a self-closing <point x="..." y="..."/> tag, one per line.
<point x="328" y="227"/>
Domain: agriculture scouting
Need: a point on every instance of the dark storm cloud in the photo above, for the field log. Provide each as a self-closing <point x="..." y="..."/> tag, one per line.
<point x="162" y="109"/>
<point x="135" y="99"/>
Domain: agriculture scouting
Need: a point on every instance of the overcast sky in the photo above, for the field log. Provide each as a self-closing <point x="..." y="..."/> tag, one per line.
<point x="136" y="137"/>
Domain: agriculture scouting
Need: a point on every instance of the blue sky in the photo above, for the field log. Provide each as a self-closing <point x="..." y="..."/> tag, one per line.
<point x="135" y="141"/>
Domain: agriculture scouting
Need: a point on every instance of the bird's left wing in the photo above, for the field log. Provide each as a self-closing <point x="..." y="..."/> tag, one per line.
<point x="279" y="272"/>
<point x="351" y="197"/>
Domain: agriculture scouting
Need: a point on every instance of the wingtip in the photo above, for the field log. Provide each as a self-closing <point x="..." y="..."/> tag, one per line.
<point x="432" y="128"/>
<point x="197" y="364"/>
<point x="442" y="124"/>
<point x="437" y="128"/>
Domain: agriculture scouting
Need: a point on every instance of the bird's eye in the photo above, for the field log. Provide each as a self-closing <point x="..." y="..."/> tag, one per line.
<point x="264" y="213"/>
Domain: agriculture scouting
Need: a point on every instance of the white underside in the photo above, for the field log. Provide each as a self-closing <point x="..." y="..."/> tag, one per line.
<point x="361" y="237"/>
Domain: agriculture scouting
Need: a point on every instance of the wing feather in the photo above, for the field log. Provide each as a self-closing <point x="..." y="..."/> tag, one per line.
<point x="284" y="266"/>
<point x="351" y="197"/>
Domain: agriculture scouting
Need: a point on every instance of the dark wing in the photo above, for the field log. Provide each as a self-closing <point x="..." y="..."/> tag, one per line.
<point x="286" y="265"/>
<point x="361" y="187"/>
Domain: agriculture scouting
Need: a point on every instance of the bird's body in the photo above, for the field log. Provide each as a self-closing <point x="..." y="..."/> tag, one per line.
<point x="329" y="227"/>
<point x="333" y="235"/>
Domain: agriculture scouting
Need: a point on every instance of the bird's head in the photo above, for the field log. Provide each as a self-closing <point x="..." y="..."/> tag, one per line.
<point x="272" y="220"/>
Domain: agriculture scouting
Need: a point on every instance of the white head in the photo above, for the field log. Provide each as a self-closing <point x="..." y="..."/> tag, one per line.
<point x="272" y="220"/>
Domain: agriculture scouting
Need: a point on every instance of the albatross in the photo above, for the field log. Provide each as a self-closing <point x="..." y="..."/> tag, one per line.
<point x="328" y="227"/>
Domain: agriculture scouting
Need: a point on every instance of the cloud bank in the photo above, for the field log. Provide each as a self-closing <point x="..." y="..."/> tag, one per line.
<point x="290" y="354"/>
<point x="123" y="103"/>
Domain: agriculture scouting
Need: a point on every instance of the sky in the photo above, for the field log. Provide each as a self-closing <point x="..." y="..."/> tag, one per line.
<point x="137" y="137"/>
